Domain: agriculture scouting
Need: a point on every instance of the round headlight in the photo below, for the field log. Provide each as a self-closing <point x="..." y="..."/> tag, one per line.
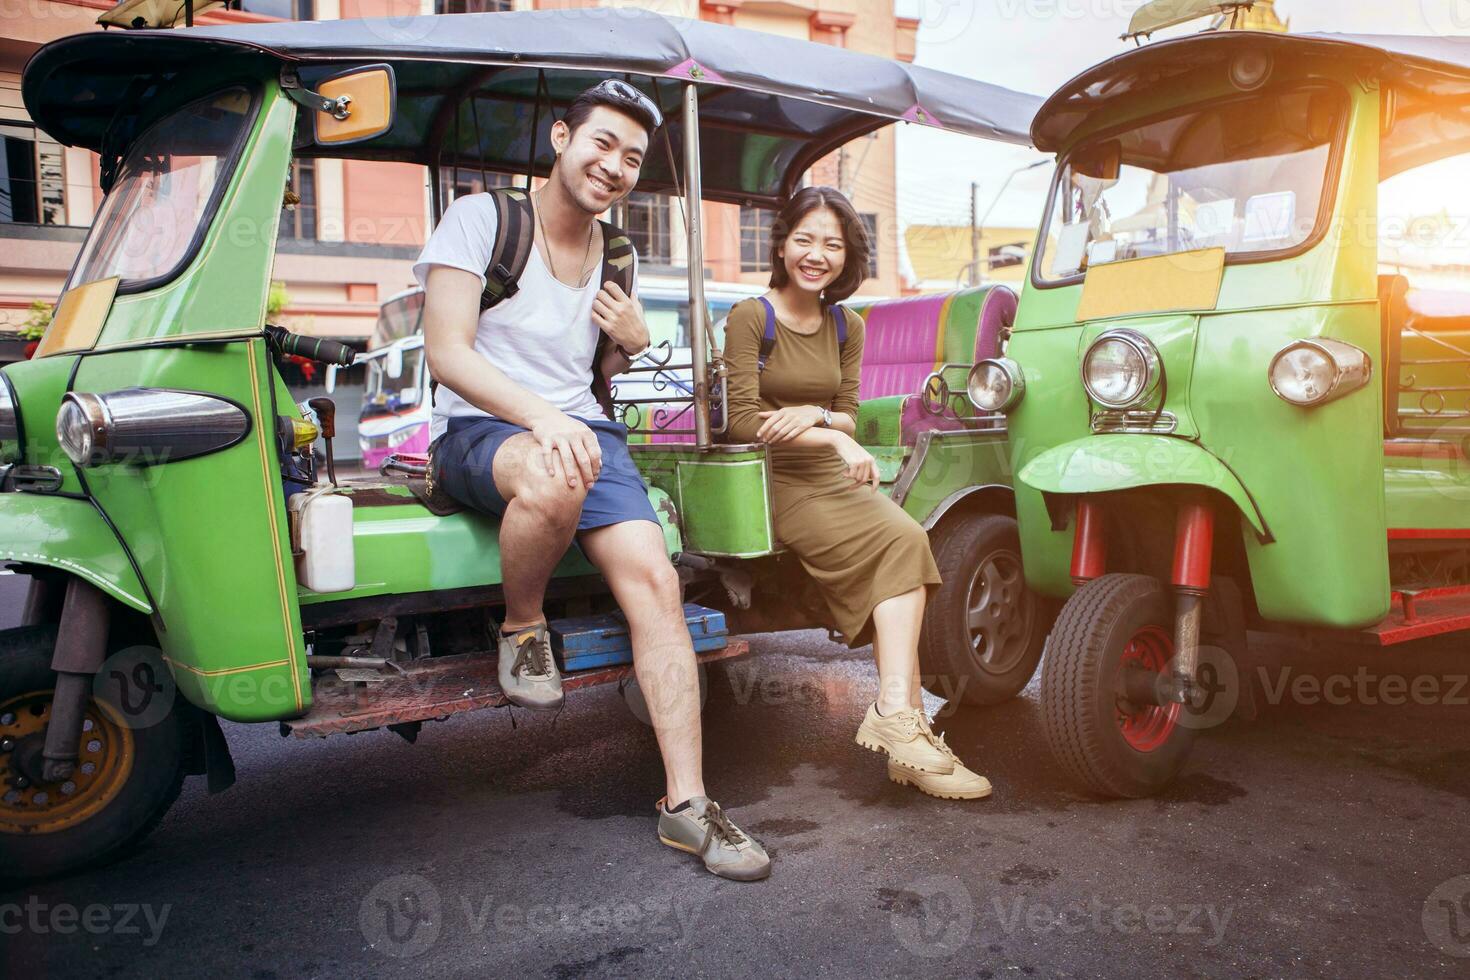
<point x="9" y="424"/>
<point x="1121" y="369"/>
<point x="1309" y="372"/>
<point x="996" y="385"/>
<point x="77" y="429"/>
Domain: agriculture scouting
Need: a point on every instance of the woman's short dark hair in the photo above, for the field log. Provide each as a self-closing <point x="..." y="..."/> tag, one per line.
<point x="854" y="234"/>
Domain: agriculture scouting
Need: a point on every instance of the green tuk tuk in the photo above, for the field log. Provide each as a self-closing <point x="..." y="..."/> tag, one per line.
<point x="159" y="485"/>
<point x="1228" y="408"/>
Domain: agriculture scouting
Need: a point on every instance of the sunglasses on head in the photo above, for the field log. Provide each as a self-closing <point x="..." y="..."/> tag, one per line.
<point x="620" y="91"/>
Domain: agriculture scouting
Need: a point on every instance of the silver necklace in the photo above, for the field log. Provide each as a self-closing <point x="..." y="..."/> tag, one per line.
<point x="551" y="259"/>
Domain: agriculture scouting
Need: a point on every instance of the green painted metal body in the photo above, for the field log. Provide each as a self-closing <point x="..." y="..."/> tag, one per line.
<point x="402" y="548"/>
<point x="723" y="496"/>
<point x="1313" y="497"/>
<point x="70" y="535"/>
<point x="953" y="466"/>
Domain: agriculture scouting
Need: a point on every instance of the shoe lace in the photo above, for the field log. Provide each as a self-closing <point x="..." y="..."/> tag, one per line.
<point x="909" y="722"/>
<point x="938" y="742"/>
<point x="718" y="826"/>
<point x="919" y="722"/>
<point x="534" y="652"/>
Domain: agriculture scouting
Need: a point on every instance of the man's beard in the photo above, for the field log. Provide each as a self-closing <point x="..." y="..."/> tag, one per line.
<point x="582" y="195"/>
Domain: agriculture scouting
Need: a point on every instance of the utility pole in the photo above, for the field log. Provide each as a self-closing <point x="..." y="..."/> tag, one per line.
<point x="974" y="234"/>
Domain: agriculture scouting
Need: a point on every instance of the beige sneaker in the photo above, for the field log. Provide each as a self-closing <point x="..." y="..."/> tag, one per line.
<point x="962" y="784"/>
<point x="907" y="738"/>
<point x="702" y="828"/>
<point x="527" y="671"/>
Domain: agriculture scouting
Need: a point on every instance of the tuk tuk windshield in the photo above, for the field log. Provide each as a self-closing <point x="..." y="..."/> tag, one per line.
<point x="1247" y="175"/>
<point x="169" y="176"/>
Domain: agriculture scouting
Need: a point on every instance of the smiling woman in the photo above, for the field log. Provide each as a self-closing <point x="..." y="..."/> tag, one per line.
<point x="794" y="357"/>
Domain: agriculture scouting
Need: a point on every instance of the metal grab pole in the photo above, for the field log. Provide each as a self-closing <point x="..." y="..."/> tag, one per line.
<point x="694" y="221"/>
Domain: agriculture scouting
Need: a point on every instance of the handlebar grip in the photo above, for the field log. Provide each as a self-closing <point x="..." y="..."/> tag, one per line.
<point x="311" y="348"/>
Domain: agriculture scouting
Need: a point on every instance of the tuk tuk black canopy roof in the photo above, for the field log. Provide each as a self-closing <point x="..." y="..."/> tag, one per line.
<point x="1431" y="73"/>
<point x="770" y="106"/>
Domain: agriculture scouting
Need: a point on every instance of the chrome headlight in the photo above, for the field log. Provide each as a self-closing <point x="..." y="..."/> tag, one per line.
<point x="996" y="384"/>
<point x="1310" y="372"/>
<point x="143" y="426"/>
<point x="9" y="423"/>
<point x="1121" y="369"/>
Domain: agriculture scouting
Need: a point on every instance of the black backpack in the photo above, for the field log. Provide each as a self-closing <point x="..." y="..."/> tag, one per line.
<point x="515" y="227"/>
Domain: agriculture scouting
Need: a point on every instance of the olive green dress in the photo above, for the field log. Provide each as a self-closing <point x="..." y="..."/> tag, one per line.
<point x="859" y="546"/>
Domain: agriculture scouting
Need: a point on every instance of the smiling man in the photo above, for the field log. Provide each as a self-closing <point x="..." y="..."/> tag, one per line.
<point x="521" y="433"/>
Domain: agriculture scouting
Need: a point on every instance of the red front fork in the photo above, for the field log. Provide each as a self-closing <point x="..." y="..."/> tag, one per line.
<point x="1090" y="545"/>
<point x="1194" y="540"/>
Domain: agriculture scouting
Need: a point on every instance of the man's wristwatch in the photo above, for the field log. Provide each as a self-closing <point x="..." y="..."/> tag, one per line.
<point x="827" y="418"/>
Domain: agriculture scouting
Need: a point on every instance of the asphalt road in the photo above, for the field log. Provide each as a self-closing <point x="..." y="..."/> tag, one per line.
<point x="1325" y="839"/>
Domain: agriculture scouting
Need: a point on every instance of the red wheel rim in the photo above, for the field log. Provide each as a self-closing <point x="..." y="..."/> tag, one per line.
<point x="1149" y="726"/>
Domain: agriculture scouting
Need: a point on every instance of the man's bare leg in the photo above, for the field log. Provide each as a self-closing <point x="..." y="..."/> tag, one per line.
<point x="537" y="527"/>
<point x="632" y="558"/>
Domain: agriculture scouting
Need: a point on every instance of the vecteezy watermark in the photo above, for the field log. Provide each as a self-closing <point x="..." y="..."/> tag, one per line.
<point x="933" y="917"/>
<point x="655" y="917"/>
<point x="137" y="685"/>
<point x="1364" y="687"/>
<point x="940" y="21"/>
<point x="403" y="916"/>
<point x="1099" y="917"/>
<point x="1447" y="17"/>
<point x="64" y="919"/>
<point x="1446" y="917"/>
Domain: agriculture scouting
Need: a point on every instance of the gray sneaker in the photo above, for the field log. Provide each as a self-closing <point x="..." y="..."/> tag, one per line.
<point x="528" y="673"/>
<point x="702" y="828"/>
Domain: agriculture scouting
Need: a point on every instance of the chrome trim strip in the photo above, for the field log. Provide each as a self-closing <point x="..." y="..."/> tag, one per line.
<point x="948" y="503"/>
<point x="1134" y="420"/>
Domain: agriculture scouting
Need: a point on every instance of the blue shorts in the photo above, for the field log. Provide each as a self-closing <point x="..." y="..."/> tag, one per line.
<point x="464" y="460"/>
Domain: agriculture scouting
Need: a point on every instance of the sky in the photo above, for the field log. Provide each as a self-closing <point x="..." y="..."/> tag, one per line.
<point x="1037" y="45"/>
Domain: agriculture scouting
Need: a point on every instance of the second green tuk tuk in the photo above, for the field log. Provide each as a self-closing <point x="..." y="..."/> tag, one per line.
<point x="1237" y="387"/>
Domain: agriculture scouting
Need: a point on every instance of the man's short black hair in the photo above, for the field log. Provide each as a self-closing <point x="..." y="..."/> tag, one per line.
<point x="597" y="95"/>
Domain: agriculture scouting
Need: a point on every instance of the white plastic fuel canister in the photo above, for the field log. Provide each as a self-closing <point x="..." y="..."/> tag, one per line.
<point x="323" y="524"/>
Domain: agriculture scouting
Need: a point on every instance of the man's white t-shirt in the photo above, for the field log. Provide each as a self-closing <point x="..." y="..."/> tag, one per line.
<point x="543" y="337"/>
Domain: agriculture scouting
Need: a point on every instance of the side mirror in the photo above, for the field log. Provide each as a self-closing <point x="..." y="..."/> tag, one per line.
<point x="351" y="106"/>
<point x="393" y="365"/>
<point x="331" y="382"/>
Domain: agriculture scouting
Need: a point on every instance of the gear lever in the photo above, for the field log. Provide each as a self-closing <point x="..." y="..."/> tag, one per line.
<point x="326" y="413"/>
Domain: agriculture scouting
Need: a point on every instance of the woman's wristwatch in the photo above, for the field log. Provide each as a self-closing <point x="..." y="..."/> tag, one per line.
<point x="826" y="418"/>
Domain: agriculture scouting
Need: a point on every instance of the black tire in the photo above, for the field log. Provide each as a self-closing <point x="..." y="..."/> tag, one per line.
<point x="133" y="805"/>
<point x="979" y="554"/>
<point x="1108" y="745"/>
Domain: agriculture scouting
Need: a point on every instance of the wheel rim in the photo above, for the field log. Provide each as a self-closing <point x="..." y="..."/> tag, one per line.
<point x="106" y="757"/>
<point x="1147" y="727"/>
<point x="999" y="613"/>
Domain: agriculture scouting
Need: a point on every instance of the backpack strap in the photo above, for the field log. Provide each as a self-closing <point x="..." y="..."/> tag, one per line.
<point x="617" y="266"/>
<point x="768" y="338"/>
<point x="840" y="315"/>
<point x="515" y="226"/>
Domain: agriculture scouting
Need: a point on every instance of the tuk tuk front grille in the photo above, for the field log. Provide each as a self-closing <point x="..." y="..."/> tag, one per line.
<point x="1123" y="420"/>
